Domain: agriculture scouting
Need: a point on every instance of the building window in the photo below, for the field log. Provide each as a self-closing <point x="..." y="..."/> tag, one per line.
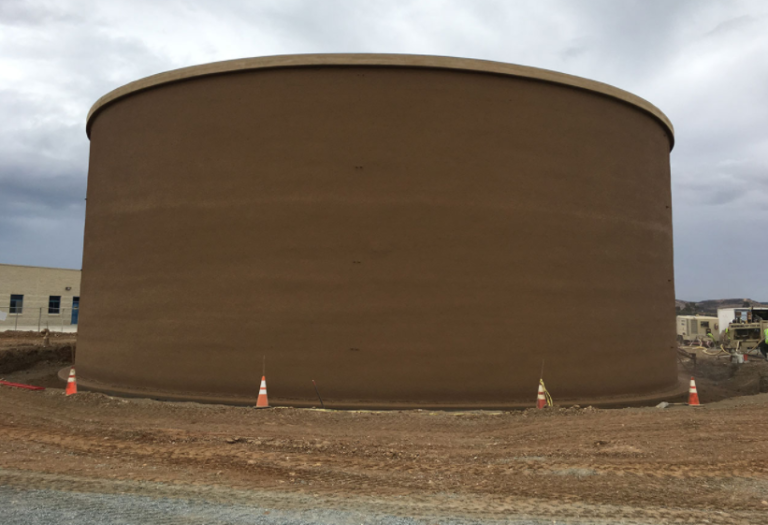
<point x="75" y="309"/>
<point x="54" y="304"/>
<point x="17" y="302"/>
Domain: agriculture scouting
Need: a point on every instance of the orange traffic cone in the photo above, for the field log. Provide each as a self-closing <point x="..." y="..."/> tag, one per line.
<point x="693" y="396"/>
<point x="262" y="401"/>
<point x="541" y="400"/>
<point x="71" y="383"/>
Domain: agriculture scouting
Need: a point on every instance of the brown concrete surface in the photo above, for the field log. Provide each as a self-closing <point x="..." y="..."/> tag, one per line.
<point x="402" y="235"/>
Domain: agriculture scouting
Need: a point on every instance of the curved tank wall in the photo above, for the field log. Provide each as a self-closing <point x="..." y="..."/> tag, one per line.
<point x="405" y="230"/>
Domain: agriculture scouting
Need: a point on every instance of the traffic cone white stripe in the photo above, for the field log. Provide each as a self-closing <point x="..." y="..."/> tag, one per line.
<point x="541" y="401"/>
<point x="693" y="396"/>
<point x="71" y="383"/>
<point x="262" y="401"/>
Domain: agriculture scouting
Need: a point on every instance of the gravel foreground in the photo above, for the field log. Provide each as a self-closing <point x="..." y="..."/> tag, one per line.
<point x="44" y="507"/>
<point x="94" y="459"/>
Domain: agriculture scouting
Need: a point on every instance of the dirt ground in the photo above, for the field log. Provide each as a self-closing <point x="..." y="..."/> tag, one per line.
<point x="574" y="465"/>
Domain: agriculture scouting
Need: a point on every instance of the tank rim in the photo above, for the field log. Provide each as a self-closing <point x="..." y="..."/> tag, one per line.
<point x="379" y="60"/>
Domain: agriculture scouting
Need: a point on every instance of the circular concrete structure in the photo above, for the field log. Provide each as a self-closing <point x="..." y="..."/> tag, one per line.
<point x="405" y="230"/>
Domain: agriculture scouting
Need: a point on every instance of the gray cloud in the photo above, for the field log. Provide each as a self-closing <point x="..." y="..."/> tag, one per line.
<point x="15" y="13"/>
<point x="702" y="62"/>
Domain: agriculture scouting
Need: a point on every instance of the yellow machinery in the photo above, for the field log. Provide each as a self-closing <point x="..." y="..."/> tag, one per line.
<point x="744" y="334"/>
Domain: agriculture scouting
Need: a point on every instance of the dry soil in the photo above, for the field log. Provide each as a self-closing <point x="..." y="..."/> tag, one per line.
<point x="576" y="465"/>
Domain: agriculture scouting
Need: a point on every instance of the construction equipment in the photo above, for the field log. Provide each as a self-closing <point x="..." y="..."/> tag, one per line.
<point x="744" y="334"/>
<point x="695" y="328"/>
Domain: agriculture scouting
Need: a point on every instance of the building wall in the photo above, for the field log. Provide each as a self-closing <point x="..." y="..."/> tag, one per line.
<point x="37" y="284"/>
<point x="385" y="231"/>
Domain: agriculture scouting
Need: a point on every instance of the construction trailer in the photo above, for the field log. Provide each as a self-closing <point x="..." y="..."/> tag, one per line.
<point x="693" y="327"/>
<point x="744" y="328"/>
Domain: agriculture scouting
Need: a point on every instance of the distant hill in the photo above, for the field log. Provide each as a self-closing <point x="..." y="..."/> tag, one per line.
<point x="710" y="306"/>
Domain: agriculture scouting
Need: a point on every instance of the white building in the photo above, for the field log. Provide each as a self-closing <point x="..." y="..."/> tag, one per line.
<point x="33" y="298"/>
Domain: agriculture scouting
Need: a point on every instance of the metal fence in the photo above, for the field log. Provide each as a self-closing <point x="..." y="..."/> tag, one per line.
<point x="37" y="318"/>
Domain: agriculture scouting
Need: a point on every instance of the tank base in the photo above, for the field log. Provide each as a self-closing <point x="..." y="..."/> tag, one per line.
<point x="678" y="392"/>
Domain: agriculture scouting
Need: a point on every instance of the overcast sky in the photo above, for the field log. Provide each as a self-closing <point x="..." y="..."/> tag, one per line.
<point x="703" y="63"/>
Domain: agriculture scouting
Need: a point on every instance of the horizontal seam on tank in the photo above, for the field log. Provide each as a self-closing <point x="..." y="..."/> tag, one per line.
<point x="134" y="208"/>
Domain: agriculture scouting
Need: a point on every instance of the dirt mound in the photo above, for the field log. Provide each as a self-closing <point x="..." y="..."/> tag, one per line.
<point x="26" y="356"/>
<point x="717" y="378"/>
<point x="13" y="338"/>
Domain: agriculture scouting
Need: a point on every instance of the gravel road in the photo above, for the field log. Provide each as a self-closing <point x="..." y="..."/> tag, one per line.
<point x="22" y="506"/>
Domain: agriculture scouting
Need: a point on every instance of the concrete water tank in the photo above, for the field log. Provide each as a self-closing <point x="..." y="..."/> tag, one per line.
<point x="405" y="230"/>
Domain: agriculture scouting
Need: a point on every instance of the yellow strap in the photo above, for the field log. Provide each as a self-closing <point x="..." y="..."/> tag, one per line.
<point x="546" y="393"/>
